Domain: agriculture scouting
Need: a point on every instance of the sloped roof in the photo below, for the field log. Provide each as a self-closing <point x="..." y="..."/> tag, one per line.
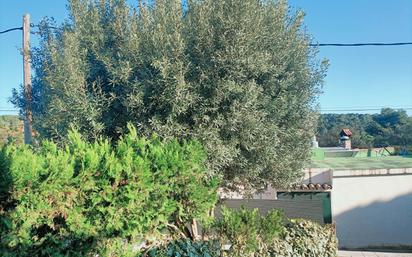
<point x="309" y="187"/>
<point x="346" y="132"/>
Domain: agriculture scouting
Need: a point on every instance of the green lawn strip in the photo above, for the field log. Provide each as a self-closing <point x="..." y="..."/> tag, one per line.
<point x="343" y="163"/>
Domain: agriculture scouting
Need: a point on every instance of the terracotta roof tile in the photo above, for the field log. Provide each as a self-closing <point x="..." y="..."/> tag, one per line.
<point x="346" y="132"/>
<point x="312" y="187"/>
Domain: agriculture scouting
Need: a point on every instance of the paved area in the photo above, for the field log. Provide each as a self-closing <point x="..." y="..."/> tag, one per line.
<point x="371" y="254"/>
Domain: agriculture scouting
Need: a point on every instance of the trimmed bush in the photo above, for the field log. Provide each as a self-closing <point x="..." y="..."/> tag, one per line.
<point x="251" y="234"/>
<point x="246" y="230"/>
<point x="305" y="238"/>
<point x="86" y="198"/>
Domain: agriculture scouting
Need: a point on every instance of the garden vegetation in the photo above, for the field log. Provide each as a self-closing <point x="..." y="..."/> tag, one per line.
<point x="238" y="76"/>
<point x="219" y="94"/>
<point x="86" y="198"/>
<point x="137" y="197"/>
<point x="252" y="235"/>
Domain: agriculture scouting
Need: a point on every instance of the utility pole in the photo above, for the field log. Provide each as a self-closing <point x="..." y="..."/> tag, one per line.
<point x="28" y="117"/>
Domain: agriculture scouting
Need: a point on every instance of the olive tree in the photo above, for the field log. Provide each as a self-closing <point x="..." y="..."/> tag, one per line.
<point x="237" y="75"/>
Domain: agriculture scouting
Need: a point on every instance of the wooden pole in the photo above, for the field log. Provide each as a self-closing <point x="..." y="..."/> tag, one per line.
<point x="27" y="80"/>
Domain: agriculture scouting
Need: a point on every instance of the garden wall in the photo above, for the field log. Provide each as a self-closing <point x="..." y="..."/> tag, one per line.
<point x="373" y="207"/>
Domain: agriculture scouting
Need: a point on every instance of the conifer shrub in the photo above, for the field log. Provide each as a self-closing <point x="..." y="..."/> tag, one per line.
<point x="246" y="230"/>
<point x="80" y="198"/>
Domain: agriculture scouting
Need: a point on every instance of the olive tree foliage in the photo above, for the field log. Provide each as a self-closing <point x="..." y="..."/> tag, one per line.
<point x="237" y="75"/>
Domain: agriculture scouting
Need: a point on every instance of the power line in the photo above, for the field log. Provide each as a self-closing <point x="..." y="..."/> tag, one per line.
<point x="312" y="44"/>
<point x="8" y="30"/>
<point x="371" y="106"/>
<point x="47" y="27"/>
<point x="44" y="27"/>
<point x="363" y="44"/>
<point x="363" y="109"/>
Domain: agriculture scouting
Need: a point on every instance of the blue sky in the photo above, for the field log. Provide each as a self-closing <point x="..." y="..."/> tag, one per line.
<point x="357" y="77"/>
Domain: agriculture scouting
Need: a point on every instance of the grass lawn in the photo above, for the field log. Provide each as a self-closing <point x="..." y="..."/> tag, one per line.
<point x="350" y="163"/>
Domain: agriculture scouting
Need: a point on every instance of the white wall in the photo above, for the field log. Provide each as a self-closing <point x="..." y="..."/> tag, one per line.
<point x="372" y="208"/>
<point x="317" y="176"/>
<point x="268" y="194"/>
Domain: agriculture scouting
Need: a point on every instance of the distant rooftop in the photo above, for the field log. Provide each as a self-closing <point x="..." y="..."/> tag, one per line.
<point x="345" y="132"/>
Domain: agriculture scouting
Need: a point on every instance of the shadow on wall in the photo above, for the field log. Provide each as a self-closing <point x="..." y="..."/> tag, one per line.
<point x="379" y="224"/>
<point x="318" y="176"/>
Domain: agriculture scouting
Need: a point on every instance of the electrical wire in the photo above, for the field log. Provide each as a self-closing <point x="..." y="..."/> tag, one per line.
<point x="9" y="110"/>
<point x="8" y="30"/>
<point x="363" y="109"/>
<point x="47" y="27"/>
<point x="363" y="44"/>
<point x="311" y="44"/>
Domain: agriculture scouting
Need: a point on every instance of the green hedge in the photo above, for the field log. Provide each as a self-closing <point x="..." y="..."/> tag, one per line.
<point x="246" y="230"/>
<point x="86" y="198"/>
<point x="318" y="154"/>
<point x="303" y="238"/>
<point x="251" y="234"/>
<point x="83" y="199"/>
<point x="336" y="154"/>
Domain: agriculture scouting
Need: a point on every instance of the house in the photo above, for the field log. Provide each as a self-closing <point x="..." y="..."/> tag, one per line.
<point x="367" y="196"/>
<point x="371" y="206"/>
<point x="366" y="193"/>
<point x="345" y="138"/>
<point x="370" y="194"/>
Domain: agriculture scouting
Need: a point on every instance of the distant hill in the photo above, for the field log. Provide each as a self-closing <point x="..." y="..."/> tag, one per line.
<point x="10" y="127"/>
<point x="388" y="128"/>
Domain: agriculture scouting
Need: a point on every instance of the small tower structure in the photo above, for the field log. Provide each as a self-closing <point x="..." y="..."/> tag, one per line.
<point x="315" y="143"/>
<point x="345" y="138"/>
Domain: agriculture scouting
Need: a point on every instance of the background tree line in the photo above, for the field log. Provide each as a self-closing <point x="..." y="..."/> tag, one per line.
<point x="388" y="128"/>
<point x="11" y="128"/>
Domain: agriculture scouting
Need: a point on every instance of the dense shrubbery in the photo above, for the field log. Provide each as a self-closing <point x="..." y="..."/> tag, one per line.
<point x="251" y="234"/>
<point x="85" y="198"/>
<point x="246" y="230"/>
<point x="305" y="238"/>
<point x="134" y="198"/>
<point x="187" y="248"/>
